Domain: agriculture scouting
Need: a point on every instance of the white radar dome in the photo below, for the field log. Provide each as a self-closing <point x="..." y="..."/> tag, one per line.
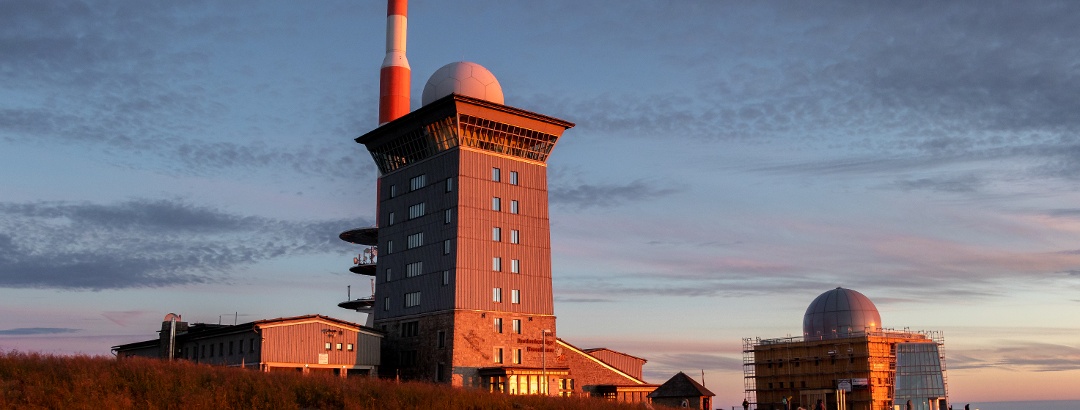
<point x="463" y="78"/>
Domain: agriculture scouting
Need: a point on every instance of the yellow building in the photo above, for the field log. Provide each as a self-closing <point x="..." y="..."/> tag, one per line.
<point x="846" y="361"/>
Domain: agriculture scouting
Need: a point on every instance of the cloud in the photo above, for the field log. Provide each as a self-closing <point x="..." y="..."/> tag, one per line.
<point x="607" y="196"/>
<point x="1027" y="356"/>
<point x="144" y="243"/>
<point x="23" y="331"/>
<point x="961" y="183"/>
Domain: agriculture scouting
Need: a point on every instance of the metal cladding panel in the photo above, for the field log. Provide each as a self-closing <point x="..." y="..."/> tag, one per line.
<point x="628" y="364"/>
<point x="436" y="200"/>
<point x="304" y="342"/>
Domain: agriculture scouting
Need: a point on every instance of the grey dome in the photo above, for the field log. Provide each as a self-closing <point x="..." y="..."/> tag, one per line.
<point x="840" y="313"/>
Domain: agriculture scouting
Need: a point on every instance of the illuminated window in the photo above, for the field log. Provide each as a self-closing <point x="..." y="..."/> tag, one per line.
<point x="514" y="206"/>
<point x="338" y="346"/>
<point x="513" y="178"/>
<point x="496" y="204"/>
<point x="349" y="347"/>
<point x="514" y="236"/>
<point x="517" y="356"/>
<point x="495" y="174"/>
<point x="517" y="325"/>
<point x="327" y="345"/>
<point x="496" y="234"/>
<point x="496" y="294"/>
<point x="498" y="355"/>
<point x="498" y="325"/>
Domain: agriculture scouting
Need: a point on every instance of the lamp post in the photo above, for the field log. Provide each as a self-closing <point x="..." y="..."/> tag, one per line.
<point x="543" y="359"/>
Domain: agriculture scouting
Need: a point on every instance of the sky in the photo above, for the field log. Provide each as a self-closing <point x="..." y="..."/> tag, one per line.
<point x="731" y="161"/>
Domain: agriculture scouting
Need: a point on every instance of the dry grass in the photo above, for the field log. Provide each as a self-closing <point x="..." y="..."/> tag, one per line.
<point x="35" y="381"/>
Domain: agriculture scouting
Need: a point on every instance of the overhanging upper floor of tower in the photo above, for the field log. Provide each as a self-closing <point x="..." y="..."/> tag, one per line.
<point x="459" y="121"/>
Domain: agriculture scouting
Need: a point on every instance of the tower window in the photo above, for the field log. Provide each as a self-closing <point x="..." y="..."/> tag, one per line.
<point x="390" y="218"/>
<point x="447" y="213"/>
<point x="416" y="240"/>
<point x="513" y="178"/>
<point x="496" y="264"/>
<point x="389" y="246"/>
<point x="515" y="266"/>
<point x="498" y="325"/>
<point x="386" y="303"/>
<point x="412" y="299"/>
<point x="496" y="294"/>
<point x="449" y="184"/>
<point x="496" y="204"/>
<point x="393" y="191"/>
<point x="416" y="211"/>
<point x="414" y="269"/>
<point x="417" y="182"/>
<point x="440" y="340"/>
<point x="517" y="325"/>
<point x="514" y="236"/>
<point x="515" y="296"/>
<point x="496" y="234"/>
<point x="514" y="206"/>
<point x="445" y="277"/>
<point x="495" y="174"/>
<point x="389" y="275"/>
<point x="446" y="247"/>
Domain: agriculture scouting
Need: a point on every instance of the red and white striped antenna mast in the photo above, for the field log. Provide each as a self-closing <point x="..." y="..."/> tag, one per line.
<point x="395" y="71"/>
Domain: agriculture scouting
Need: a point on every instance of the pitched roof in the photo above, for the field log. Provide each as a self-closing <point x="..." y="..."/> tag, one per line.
<point x="680" y="385"/>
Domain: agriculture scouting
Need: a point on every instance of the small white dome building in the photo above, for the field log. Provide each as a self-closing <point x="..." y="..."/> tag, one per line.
<point x="462" y="78"/>
<point x="840" y="313"/>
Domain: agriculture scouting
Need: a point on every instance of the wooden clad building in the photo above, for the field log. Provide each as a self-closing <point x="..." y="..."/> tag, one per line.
<point x="307" y="344"/>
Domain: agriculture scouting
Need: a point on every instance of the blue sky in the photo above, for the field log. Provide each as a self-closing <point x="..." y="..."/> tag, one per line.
<point x="731" y="161"/>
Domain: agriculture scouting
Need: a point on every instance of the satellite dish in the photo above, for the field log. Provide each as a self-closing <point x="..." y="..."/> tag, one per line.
<point x="171" y="317"/>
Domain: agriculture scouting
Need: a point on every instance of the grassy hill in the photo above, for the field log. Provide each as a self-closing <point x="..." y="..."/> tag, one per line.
<point x="29" y="381"/>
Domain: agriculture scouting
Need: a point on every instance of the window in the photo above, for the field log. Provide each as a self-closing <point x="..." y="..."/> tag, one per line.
<point x="496" y="264"/>
<point x="211" y="350"/>
<point x="515" y="266"/>
<point x="410" y="329"/>
<point x="496" y="203"/>
<point x="240" y="346"/>
<point x="515" y="296"/>
<point x="448" y="215"/>
<point x="327" y="345"/>
<point x="496" y="234"/>
<point x="202" y="351"/>
<point x="514" y="236"/>
<point x="393" y="191"/>
<point x="449" y="184"/>
<point x="440" y="339"/>
<point x="415" y="240"/>
<point x="389" y="247"/>
<point x="498" y="325"/>
<point x="251" y="345"/>
<point x="446" y="247"/>
<point x="414" y="269"/>
<point x="513" y="178"/>
<point x="496" y="294"/>
<point x="389" y="275"/>
<point x="417" y="182"/>
<point x="517" y="356"/>
<point x="498" y="355"/>
<point x="349" y="347"/>
<point x="338" y="346"/>
<point x="445" y="277"/>
<point x="386" y="303"/>
<point x="230" y="347"/>
<point x="517" y="325"/>
<point x="412" y="299"/>
<point x="495" y="173"/>
<point x="514" y="206"/>
<point x="390" y="218"/>
<point x="416" y="211"/>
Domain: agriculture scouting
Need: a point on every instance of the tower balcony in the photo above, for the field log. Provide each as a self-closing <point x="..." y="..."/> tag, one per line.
<point x="359" y="304"/>
<point x="361" y="236"/>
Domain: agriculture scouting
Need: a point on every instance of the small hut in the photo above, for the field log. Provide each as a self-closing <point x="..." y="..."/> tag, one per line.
<point x="682" y="391"/>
